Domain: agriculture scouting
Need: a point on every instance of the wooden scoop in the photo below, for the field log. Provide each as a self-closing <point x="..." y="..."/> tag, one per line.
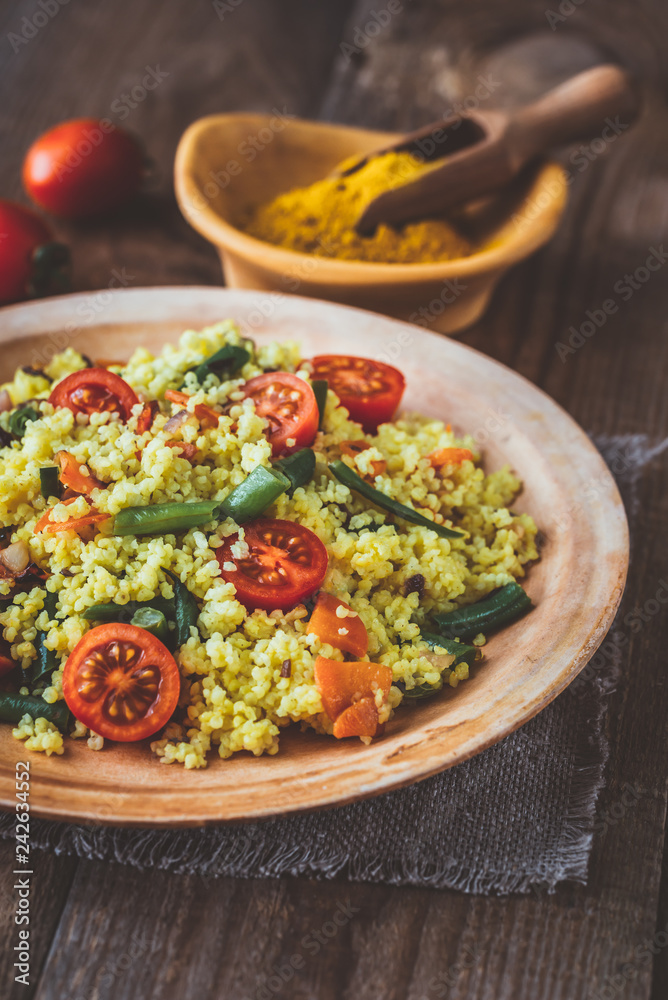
<point x="484" y="150"/>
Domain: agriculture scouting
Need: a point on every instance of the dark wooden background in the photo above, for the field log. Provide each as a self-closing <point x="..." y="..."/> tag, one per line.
<point x="101" y="931"/>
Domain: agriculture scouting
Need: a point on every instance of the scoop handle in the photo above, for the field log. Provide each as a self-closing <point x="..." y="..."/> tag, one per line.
<point x="599" y="99"/>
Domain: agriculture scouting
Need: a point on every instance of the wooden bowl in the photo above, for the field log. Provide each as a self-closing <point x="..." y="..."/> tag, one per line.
<point x="224" y="163"/>
<point x="576" y="586"/>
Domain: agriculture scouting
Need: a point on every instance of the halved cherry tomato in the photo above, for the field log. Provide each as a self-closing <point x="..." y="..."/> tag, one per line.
<point x="354" y="448"/>
<point x="83" y="167"/>
<point x="359" y="719"/>
<point x="286" y="562"/>
<point x="71" y="476"/>
<point x="343" y="684"/>
<point x="449" y="456"/>
<point x="73" y="524"/>
<point x="206" y="416"/>
<point x="346" y="633"/>
<point x="121" y="682"/>
<point x="95" y="390"/>
<point x="289" y="406"/>
<point x="370" y="390"/>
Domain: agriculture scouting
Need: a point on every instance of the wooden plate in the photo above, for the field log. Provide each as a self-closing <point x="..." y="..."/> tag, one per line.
<point x="576" y="586"/>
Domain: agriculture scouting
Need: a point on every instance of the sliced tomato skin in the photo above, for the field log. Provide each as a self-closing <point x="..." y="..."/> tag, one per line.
<point x="269" y="391"/>
<point x="302" y="578"/>
<point x="110" y="392"/>
<point x="92" y="712"/>
<point x="370" y="390"/>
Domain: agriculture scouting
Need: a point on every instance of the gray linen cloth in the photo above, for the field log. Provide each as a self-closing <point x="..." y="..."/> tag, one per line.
<point x="518" y="816"/>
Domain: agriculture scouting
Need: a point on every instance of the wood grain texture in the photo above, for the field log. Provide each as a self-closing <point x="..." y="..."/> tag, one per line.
<point x="224" y="938"/>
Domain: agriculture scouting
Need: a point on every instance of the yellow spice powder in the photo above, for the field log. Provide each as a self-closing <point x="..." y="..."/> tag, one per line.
<point x="320" y="219"/>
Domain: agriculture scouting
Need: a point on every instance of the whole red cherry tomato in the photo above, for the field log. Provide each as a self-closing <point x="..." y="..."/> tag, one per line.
<point x="30" y="263"/>
<point x="83" y="167"/>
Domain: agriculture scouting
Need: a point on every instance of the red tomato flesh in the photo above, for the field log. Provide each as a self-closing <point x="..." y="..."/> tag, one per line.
<point x="286" y="563"/>
<point x="327" y="625"/>
<point x="370" y="390"/>
<point x="121" y="682"/>
<point x="21" y="232"/>
<point x="289" y="406"/>
<point x="95" y="390"/>
<point x="83" y="167"/>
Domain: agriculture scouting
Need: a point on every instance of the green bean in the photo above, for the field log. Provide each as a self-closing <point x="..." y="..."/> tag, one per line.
<point x="495" y="611"/>
<point x="461" y="652"/>
<point x="420" y="690"/>
<point x="187" y="610"/>
<point x="227" y="360"/>
<point x="165" y="518"/>
<point x="49" y="481"/>
<point x="20" y="418"/>
<point x="152" y="621"/>
<point x="105" y="613"/>
<point x="14" y="706"/>
<point x="251" y="497"/>
<point x="47" y="659"/>
<point x="298" y="467"/>
<point x="246" y="501"/>
<point x="350" y="479"/>
<point x="320" y="388"/>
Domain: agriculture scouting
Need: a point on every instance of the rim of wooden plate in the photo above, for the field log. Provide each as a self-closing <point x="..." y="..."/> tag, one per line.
<point x="576" y="586"/>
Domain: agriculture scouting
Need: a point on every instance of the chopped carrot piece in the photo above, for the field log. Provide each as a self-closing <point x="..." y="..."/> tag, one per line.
<point x="205" y="414"/>
<point x="449" y="456"/>
<point x="342" y="684"/>
<point x="147" y="416"/>
<point x="329" y="627"/>
<point x="353" y="448"/>
<point x="73" y="524"/>
<point x="71" y="476"/>
<point x="359" y="719"/>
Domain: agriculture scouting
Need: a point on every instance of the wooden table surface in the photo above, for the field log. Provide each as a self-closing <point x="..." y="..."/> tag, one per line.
<point x="101" y="931"/>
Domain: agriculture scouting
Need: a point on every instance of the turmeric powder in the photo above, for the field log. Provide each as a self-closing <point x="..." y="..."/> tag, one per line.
<point x="320" y="219"/>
